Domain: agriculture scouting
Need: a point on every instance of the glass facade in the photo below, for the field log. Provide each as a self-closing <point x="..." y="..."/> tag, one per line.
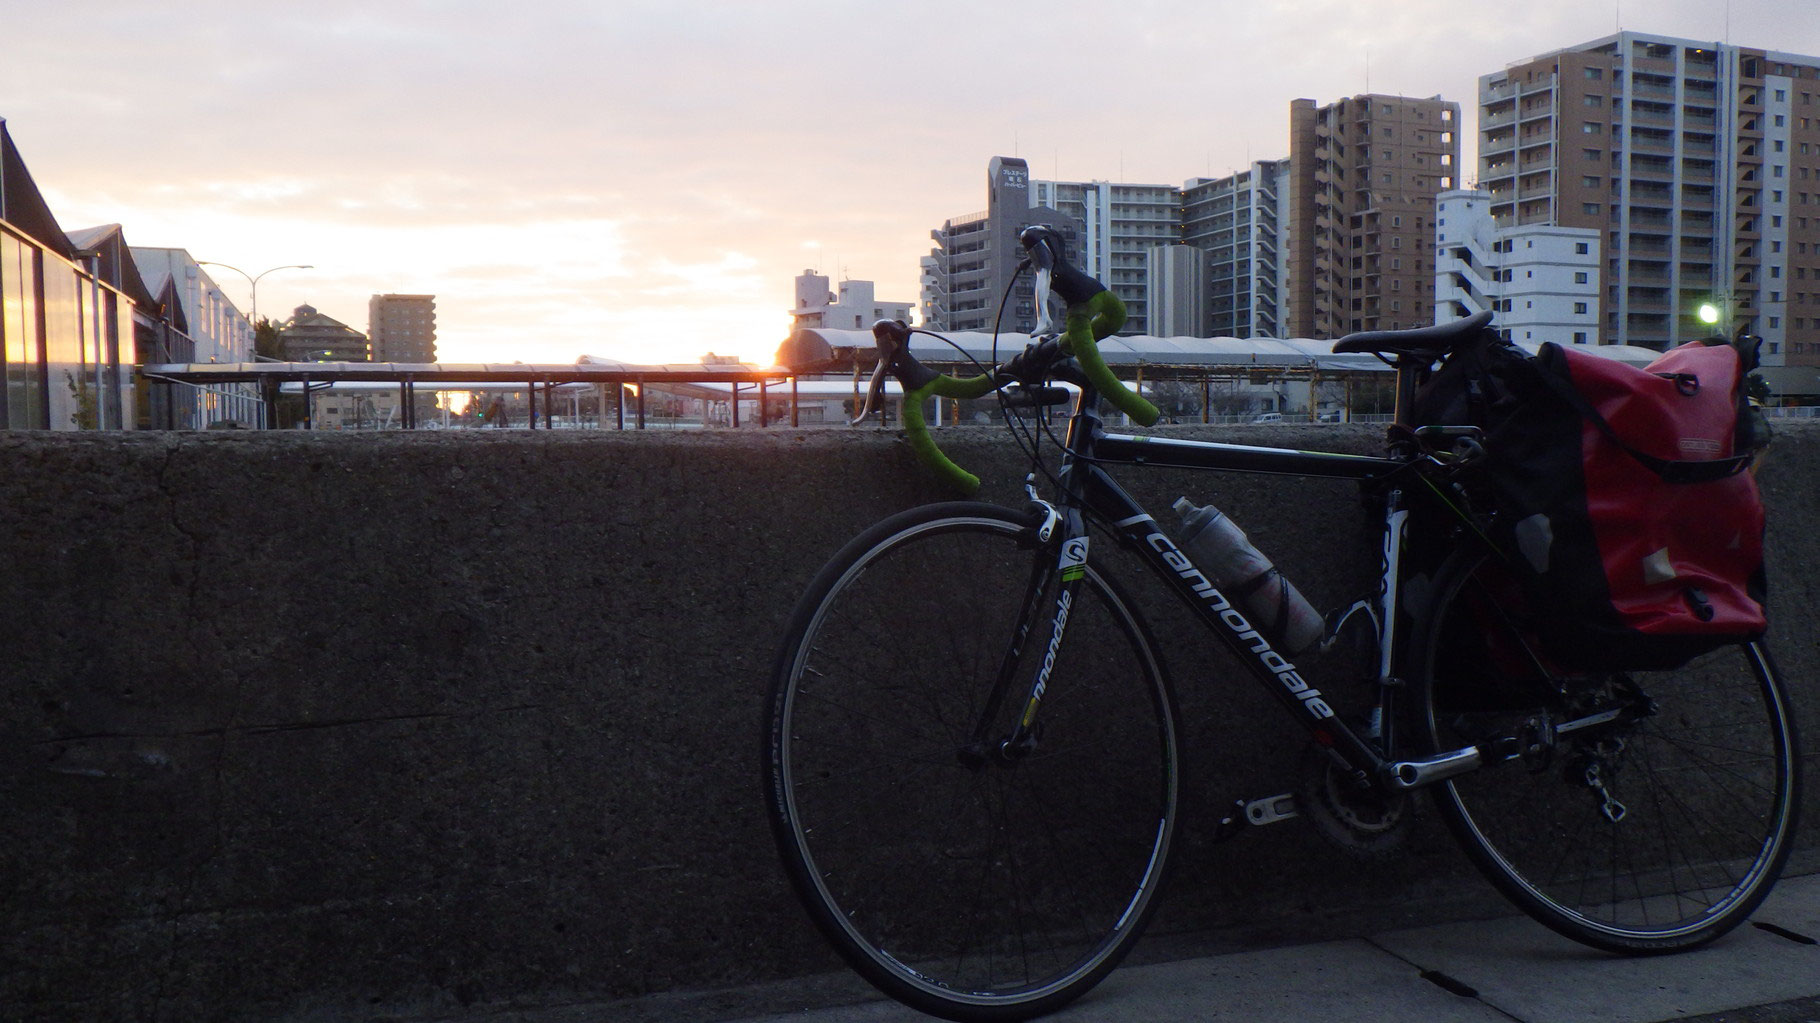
<point x="19" y="322"/>
<point x="66" y="344"/>
<point x="71" y="395"/>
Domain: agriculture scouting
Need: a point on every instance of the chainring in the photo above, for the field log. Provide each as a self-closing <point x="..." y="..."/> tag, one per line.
<point x="1366" y="824"/>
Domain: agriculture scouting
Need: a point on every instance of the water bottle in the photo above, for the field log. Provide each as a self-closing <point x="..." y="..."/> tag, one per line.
<point x="1276" y="608"/>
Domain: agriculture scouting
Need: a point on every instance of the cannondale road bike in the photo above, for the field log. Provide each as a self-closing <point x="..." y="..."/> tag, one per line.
<point x="974" y="785"/>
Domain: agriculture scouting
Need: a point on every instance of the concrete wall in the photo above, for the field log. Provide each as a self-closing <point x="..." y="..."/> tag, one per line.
<point x="342" y="726"/>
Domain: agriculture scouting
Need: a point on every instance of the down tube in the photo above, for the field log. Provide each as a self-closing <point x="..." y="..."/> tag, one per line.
<point x="1273" y="669"/>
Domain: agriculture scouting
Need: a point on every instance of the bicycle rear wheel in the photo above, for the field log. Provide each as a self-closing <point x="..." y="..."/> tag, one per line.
<point x="961" y="881"/>
<point x="1654" y="832"/>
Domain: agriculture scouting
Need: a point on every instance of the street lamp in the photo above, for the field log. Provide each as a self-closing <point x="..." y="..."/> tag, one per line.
<point x="253" y="279"/>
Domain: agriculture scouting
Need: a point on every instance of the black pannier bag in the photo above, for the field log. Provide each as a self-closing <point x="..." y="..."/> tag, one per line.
<point x="1619" y="497"/>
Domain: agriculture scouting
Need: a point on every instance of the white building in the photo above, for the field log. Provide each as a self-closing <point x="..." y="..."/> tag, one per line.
<point x="220" y="332"/>
<point x="1238" y="220"/>
<point x="855" y="308"/>
<point x="1540" y="281"/>
<point x="1177" y="291"/>
<point x="1123" y="223"/>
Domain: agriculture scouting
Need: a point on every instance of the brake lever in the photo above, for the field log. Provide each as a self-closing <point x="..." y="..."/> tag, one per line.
<point x="888" y="336"/>
<point x="873" y="389"/>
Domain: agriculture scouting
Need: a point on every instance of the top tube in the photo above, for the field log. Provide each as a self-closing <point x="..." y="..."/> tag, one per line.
<point x="1179" y="453"/>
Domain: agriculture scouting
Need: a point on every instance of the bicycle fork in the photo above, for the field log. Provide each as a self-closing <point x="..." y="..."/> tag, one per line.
<point x="1070" y="566"/>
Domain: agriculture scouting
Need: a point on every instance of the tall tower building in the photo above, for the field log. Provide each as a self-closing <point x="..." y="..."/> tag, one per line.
<point x="402" y="328"/>
<point x="976" y="256"/>
<point x="1695" y="162"/>
<point x="1363" y="176"/>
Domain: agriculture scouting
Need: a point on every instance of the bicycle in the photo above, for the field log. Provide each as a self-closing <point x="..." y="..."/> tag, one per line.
<point x="975" y="794"/>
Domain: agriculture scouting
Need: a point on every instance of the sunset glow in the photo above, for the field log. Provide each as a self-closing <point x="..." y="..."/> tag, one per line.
<point x="642" y="182"/>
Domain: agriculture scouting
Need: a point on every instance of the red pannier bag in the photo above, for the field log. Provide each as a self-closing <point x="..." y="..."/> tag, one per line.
<point x="1624" y="505"/>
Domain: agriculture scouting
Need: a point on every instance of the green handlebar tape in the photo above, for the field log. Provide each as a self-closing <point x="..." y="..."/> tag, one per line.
<point x="917" y="428"/>
<point x="1088" y="322"/>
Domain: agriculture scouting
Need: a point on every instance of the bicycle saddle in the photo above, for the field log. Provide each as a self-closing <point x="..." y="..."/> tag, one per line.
<point x="1430" y="341"/>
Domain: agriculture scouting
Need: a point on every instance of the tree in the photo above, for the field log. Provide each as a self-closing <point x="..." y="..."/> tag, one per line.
<point x="265" y="339"/>
<point x="290" y="409"/>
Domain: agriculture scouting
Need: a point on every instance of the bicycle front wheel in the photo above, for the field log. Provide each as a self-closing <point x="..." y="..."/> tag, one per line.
<point x="1656" y="830"/>
<point x="963" y="879"/>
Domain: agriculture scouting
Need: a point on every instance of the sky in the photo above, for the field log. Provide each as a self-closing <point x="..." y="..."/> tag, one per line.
<point x="644" y="180"/>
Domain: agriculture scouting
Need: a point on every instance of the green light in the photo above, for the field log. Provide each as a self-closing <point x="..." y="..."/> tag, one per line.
<point x="1709" y="313"/>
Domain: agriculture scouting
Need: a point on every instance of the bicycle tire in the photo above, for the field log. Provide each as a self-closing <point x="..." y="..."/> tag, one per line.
<point x="1704" y="780"/>
<point x="972" y="892"/>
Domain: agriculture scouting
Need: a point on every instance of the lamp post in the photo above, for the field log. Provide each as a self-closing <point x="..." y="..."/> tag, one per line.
<point x="253" y="279"/>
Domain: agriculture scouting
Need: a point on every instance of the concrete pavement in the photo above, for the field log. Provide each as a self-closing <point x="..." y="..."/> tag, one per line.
<point x="1476" y="972"/>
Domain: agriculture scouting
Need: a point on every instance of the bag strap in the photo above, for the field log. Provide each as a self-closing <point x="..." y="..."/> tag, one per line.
<point x="1671" y="470"/>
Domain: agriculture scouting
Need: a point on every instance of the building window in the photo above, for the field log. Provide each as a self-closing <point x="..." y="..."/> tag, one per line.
<point x="1580" y="278"/>
<point x="1591" y="208"/>
<point x="1579" y="337"/>
<point x="1580" y="308"/>
<point x="1581" y="248"/>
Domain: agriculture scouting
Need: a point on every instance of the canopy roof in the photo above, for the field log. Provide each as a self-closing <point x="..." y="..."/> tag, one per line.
<point x="811" y="347"/>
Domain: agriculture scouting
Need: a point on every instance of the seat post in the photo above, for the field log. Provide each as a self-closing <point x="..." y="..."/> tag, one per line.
<point x="1408" y="367"/>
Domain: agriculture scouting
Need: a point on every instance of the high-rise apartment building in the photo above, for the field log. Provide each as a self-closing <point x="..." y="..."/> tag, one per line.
<point x="402" y="328"/>
<point x="1121" y="223"/>
<point x="1363" y="176"/>
<point x="1696" y="162"/>
<point x="1237" y="220"/>
<point x="976" y="256"/>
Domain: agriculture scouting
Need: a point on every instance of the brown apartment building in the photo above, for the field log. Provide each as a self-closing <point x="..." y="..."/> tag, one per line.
<point x="402" y="327"/>
<point x="1363" y="177"/>
<point x="1699" y="165"/>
